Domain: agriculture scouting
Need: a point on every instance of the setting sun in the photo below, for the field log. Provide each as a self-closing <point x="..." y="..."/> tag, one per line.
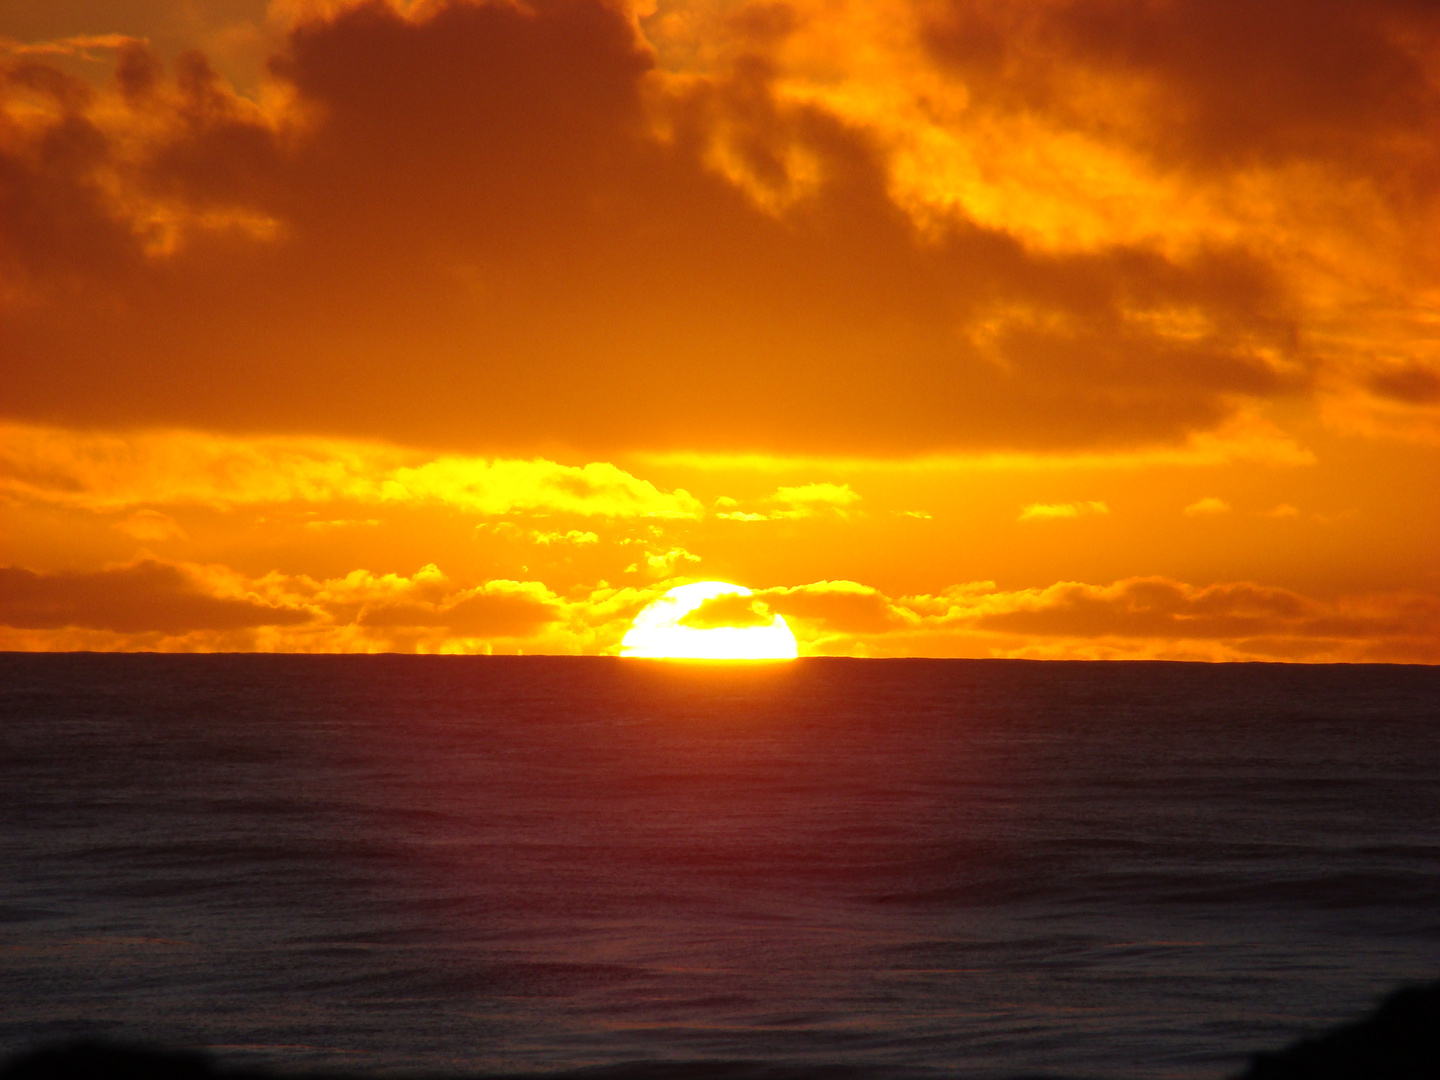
<point x="709" y="620"/>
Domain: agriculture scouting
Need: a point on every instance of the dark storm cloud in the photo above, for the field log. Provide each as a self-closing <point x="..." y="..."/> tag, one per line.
<point x="1230" y="80"/>
<point x="53" y="228"/>
<point x="465" y="229"/>
<point x="1411" y="384"/>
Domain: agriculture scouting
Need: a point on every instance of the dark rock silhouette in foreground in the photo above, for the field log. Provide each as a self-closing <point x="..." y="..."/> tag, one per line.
<point x="1399" y="1041"/>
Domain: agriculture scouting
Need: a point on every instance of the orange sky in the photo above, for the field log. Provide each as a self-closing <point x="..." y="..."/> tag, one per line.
<point x="1055" y="328"/>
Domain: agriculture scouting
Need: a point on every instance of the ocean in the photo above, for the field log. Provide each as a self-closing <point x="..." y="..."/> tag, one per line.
<point x="987" y="869"/>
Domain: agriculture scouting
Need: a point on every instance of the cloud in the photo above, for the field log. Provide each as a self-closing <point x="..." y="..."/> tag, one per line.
<point x="665" y="562"/>
<point x="732" y="610"/>
<point x="83" y="45"/>
<point x="1411" y="385"/>
<point x="1235" y="83"/>
<point x="563" y="235"/>
<point x="151" y="526"/>
<point x="498" y="609"/>
<point x="342" y="523"/>
<point x="836" y="607"/>
<point x="190" y="607"/>
<point x="148" y="596"/>
<point x="816" y="495"/>
<point x="1247" y="436"/>
<point x="1194" y="119"/>
<point x="1053" y="511"/>
<point x="1208" y="505"/>
<point x="1140" y="618"/>
<point x="171" y="468"/>
<point x="788" y="503"/>
<point x="1165" y="610"/>
<point x="571" y="536"/>
<point x="807" y="500"/>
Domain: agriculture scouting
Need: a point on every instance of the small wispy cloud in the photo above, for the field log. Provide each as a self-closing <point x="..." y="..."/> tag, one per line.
<point x="1053" y="511"/>
<point x="151" y="525"/>
<point x="666" y="562"/>
<point x="805" y="500"/>
<point x="573" y="536"/>
<point x="1208" y="505"/>
<point x="816" y="495"/>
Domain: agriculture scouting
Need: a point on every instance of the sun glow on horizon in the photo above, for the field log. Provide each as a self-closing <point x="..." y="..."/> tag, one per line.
<point x="661" y="632"/>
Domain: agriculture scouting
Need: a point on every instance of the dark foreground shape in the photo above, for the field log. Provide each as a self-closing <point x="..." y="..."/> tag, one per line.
<point x="113" y="1061"/>
<point x="1399" y="1041"/>
<point x="107" y="1061"/>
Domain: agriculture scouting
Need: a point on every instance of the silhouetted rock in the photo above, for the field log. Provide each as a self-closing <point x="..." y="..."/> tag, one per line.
<point x="1399" y="1041"/>
<point x="107" y="1061"/>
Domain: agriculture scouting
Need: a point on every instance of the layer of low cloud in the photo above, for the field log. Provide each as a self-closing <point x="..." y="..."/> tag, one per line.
<point x="188" y="607"/>
<point x="147" y="597"/>
<point x="153" y="604"/>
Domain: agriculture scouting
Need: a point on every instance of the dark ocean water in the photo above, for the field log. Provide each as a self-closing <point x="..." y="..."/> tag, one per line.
<point x="397" y="864"/>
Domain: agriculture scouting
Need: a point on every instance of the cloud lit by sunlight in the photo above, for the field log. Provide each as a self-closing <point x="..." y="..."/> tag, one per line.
<point x="1051" y="511"/>
<point x="1208" y="505"/>
<point x="98" y="471"/>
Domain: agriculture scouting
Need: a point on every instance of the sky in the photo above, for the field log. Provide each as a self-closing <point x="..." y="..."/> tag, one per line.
<point x="1025" y="328"/>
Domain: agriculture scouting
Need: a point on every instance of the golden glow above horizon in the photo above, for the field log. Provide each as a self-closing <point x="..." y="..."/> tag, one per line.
<point x="660" y="633"/>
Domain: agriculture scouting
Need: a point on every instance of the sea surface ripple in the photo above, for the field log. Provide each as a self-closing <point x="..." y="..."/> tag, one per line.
<point x="911" y="868"/>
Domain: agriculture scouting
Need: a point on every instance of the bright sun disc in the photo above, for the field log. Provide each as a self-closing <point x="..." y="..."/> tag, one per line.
<point x="659" y="632"/>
